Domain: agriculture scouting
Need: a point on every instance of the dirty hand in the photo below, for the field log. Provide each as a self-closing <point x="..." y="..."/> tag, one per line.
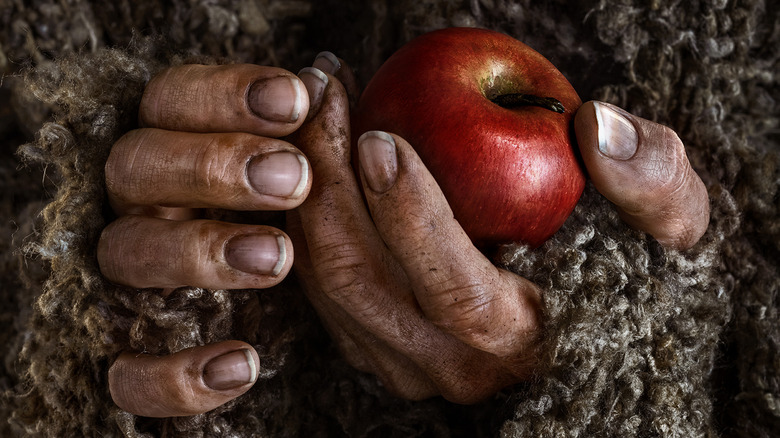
<point x="209" y="139"/>
<point x="397" y="282"/>
<point x="402" y="290"/>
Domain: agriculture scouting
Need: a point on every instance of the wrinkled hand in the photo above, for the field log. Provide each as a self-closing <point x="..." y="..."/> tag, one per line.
<point x="403" y="291"/>
<point x="209" y="141"/>
<point x="401" y="288"/>
<point x="642" y="168"/>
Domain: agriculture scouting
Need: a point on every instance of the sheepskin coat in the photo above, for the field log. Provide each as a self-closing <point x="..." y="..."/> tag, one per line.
<point x="639" y="341"/>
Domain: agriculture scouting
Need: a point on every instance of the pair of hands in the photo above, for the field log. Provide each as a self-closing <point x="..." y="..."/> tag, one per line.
<point x="396" y="281"/>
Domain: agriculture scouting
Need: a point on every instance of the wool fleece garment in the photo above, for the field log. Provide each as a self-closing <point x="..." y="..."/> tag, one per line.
<point x="638" y="340"/>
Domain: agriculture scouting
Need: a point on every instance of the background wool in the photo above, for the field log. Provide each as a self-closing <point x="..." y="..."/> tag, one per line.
<point x="639" y="341"/>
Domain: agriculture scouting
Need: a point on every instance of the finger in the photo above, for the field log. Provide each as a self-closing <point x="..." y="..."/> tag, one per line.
<point x="354" y="269"/>
<point x="235" y="171"/>
<point x="144" y="252"/>
<point x="456" y="286"/>
<point x="264" y="101"/>
<point x="642" y="168"/>
<point x="338" y="230"/>
<point x="189" y="382"/>
<point x="360" y="347"/>
<point x="329" y="63"/>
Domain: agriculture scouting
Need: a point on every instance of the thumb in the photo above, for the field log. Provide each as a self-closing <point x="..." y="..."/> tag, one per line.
<point x="642" y="168"/>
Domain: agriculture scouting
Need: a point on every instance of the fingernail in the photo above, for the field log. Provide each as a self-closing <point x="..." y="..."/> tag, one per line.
<point x="230" y="370"/>
<point x="327" y="62"/>
<point x="282" y="174"/>
<point x="262" y="254"/>
<point x="315" y="81"/>
<point x="277" y="99"/>
<point x="376" y="150"/>
<point x="618" y="138"/>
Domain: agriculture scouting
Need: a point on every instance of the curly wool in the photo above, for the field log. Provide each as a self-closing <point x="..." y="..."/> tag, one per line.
<point x="639" y="341"/>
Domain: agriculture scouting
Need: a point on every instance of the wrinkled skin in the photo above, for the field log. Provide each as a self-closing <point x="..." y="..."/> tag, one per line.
<point x="402" y="290"/>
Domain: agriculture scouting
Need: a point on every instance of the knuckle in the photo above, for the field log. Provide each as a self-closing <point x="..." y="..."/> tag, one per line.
<point x="108" y="246"/>
<point x="178" y="391"/>
<point x="466" y="310"/>
<point x="120" y="388"/>
<point x="114" y="246"/>
<point x="175" y="394"/>
<point x="668" y="169"/>
<point x="131" y="252"/>
<point x="166" y="95"/>
<point x="211" y="165"/>
<point x="145" y="387"/>
<point x="682" y="232"/>
<point x="126" y="166"/>
<point x="491" y="313"/>
<point x="344" y="264"/>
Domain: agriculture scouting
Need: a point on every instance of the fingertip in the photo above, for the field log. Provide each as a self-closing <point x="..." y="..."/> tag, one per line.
<point x="257" y="253"/>
<point x="327" y="62"/>
<point x="200" y="253"/>
<point x="277" y="99"/>
<point x="606" y="129"/>
<point x="642" y="168"/>
<point x="616" y="134"/>
<point x="281" y="174"/>
<point x="316" y="81"/>
<point x="260" y="100"/>
<point x="231" y="370"/>
<point x="189" y="382"/>
<point x="319" y="78"/>
<point x="325" y="134"/>
<point x="378" y="160"/>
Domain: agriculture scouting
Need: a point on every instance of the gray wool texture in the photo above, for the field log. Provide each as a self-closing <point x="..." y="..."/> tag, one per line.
<point x="639" y="341"/>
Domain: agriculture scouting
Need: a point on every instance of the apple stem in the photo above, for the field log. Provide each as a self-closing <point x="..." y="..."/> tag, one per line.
<point x="514" y="100"/>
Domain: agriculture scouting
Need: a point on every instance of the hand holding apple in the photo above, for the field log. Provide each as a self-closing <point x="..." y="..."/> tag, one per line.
<point x="403" y="291"/>
<point x="387" y="286"/>
<point x="491" y="120"/>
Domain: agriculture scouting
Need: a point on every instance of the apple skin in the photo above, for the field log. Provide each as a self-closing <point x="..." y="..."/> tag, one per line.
<point x="510" y="175"/>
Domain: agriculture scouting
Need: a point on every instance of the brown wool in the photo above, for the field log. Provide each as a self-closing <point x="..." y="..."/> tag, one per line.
<point x="638" y="341"/>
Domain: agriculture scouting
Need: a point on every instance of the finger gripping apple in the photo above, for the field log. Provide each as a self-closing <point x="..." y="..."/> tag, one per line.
<point x="491" y="119"/>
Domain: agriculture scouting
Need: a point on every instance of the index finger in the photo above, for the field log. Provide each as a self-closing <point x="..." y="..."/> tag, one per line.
<point x="457" y="287"/>
<point x="265" y="101"/>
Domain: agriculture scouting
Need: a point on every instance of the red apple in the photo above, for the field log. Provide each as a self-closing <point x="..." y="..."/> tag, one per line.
<point x="509" y="173"/>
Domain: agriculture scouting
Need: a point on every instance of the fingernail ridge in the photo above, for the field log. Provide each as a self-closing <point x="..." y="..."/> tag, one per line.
<point x="296" y="111"/>
<point x="315" y="81"/>
<point x="281" y="174"/>
<point x="252" y="365"/>
<point x="260" y="254"/>
<point x="230" y="370"/>
<point x="378" y="159"/>
<point x="304" y="177"/>
<point x="277" y="99"/>
<point x="280" y="243"/>
<point x="617" y="136"/>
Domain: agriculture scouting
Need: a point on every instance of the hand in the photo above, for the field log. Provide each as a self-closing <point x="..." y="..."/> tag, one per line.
<point x="208" y="141"/>
<point x="400" y="287"/>
<point x="389" y="299"/>
<point x="642" y="168"/>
